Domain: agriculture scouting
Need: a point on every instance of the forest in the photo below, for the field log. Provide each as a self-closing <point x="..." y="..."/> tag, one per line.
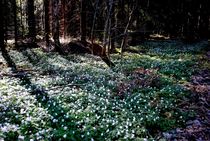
<point x="96" y="70"/>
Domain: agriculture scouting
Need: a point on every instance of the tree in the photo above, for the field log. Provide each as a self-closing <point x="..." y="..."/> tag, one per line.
<point x="1" y="28"/>
<point x="15" y="21"/>
<point x="113" y="32"/>
<point x="94" y="21"/>
<point x="121" y="16"/>
<point x="47" y="22"/>
<point x="83" y="20"/>
<point x="107" y="27"/>
<point x="63" y="18"/>
<point x="31" y="20"/>
<point x="56" y="26"/>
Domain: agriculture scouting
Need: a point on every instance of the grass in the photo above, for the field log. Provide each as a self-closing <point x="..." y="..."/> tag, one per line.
<point x="79" y="98"/>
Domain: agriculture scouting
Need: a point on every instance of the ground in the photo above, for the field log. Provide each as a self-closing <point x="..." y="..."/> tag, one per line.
<point x="161" y="92"/>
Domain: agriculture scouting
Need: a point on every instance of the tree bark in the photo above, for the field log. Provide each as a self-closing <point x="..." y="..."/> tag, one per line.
<point x="31" y="20"/>
<point x="113" y="32"/>
<point x="15" y="21"/>
<point x="1" y="28"/>
<point x="62" y="20"/>
<point x="83" y="20"/>
<point x="94" y="20"/>
<point x="5" y="20"/>
<point x="121" y="15"/>
<point x="21" y="18"/>
<point x="107" y="26"/>
<point x="47" y="23"/>
<point x="124" y="40"/>
<point x="56" y="27"/>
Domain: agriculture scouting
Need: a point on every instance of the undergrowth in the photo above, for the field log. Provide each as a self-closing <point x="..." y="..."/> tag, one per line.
<point x="77" y="97"/>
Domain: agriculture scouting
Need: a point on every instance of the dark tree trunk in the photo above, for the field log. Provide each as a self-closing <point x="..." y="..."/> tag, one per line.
<point x="107" y="26"/>
<point x="47" y="22"/>
<point x="1" y="28"/>
<point x="121" y="15"/>
<point x="56" y="26"/>
<point x="21" y="18"/>
<point x="136" y="15"/>
<point x="5" y="21"/>
<point x="31" y="20"/>
<point x="204" y="19"/>
<point x="83" y="21"/>
<point x="15" y="22"/>
<point x="209" y="30"/>
<point x="94" y="21"/>
<point x="113" y="32"/>
<point x="2" y="31"/>
<point x="62" y="20"/>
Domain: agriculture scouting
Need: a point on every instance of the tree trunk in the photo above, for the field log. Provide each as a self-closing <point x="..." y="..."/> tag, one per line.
<point x="125" y="33"/>
<point x="113" y="32"/>
<point x="1" y="28"/>
<point x="94" y="20"/>
<point x="47" y="23"/>
<point x="5" y="20"/>
<point x="15" y="21"/>
<point x="107" y="26"/>
<point x="121" y="16"/>
<point x="56" y="26"/>
<point x="31" y="20"/>
<point x="21" y="18"/>
<point x="62" y="20"/>
<point x="83" y="21"/>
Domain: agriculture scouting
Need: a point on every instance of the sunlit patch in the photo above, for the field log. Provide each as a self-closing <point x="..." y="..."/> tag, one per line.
<point x="158" y="36"/>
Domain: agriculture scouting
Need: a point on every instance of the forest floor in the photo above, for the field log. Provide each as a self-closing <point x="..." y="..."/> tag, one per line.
<point x="161" y="94"/>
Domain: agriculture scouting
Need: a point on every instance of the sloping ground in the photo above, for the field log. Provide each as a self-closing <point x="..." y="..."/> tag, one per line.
<point x="74" y="97"/>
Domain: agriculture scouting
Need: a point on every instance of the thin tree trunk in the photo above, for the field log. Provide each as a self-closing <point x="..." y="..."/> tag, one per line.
<point x="113" y="32"/>
<point x="94" y="20"/>
<point x="5" y="23"/>
<point x="2" y="28"/>
<point x="124" y="41"/>
<point x="209" y="31"/>
<point x="31" y="20"/>
<point x="83" y="21"/>
<point x="56" y="27"/>
<point x="109" y="38"/>
<point x="106" y="27"/>
<point x="21" y="18"/>
<point x="93" y="25"/>
<point x="66" y="22"/>
<point x="47" y="23"/>
<point x="62" y="21"/>
<point x="121" y="15"/>
<point x="15" y="22"/>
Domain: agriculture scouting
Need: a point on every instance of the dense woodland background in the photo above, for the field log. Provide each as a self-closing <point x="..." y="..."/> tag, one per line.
<point x="110" y="22"/>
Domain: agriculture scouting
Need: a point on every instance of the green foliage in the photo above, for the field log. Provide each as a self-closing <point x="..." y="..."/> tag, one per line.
<point x="79" y="97"/>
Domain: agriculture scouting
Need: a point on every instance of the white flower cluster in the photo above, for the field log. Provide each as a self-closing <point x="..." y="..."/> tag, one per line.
<point x="75" y="98"/>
